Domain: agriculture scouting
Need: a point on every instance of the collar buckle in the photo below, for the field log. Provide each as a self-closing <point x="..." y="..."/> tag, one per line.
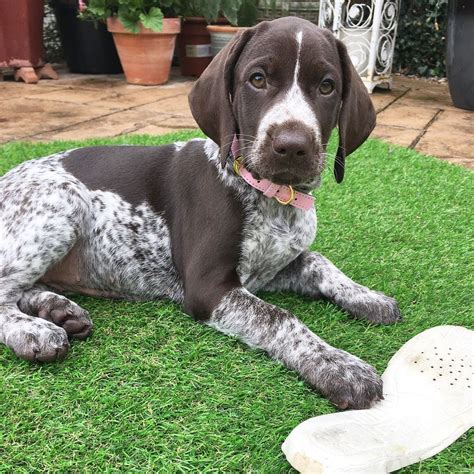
<point x="291" y="198"/>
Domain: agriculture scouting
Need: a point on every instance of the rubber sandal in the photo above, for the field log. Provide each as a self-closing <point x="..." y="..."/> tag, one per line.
<point x="429" y="403"/>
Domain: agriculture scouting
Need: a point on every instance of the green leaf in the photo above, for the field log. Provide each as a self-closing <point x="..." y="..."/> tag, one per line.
<point x="153" y="20"/>
<point x="211" y="10"/>
<point x="167" y="3"/>
<point x="98" y="11"/>
<point x="248" y="13"/>
<point x="129" y="20"/>
<point x="230" y="9"/>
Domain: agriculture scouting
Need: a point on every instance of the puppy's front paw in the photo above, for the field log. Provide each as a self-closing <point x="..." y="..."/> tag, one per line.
<point x="37" y="341"/>
<point x="66" y="314"/>
<point x="376" y="308"/>
<point x="360" y="388"/>
<point x="347" y="381"/>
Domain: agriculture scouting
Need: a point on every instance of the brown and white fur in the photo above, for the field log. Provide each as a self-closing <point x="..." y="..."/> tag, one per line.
<point x="176" y="222"/>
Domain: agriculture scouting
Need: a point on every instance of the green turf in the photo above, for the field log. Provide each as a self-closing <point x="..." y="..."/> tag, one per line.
<point x="151" y="390"/>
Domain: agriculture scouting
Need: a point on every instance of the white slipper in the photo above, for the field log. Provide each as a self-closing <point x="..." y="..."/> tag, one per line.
<point x="429" y="403"/>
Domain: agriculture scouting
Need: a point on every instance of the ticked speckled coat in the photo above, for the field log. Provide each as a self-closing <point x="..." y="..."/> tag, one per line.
<point x="177" y="222"/>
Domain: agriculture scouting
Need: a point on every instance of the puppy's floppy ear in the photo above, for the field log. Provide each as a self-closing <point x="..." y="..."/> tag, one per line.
<point x="357" y="114"/>
<point x="210" y="98"/>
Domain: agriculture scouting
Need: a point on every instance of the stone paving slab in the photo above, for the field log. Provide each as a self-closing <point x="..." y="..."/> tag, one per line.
<point x="177" y="121"/>
<point x="397" y="135"/>
<point x="123" y="99"/>
<point x="426" y="94"/>
<point x="106" y="126"/>
<point x="456" y="121"/>
<point x="24" y="118"/>
<point x="414" y="113"/>
<point x="405" y="116"/>
<point x="154" y="130"/>
<point x="452" y="147"/>
<point x="12" y="90"/>
<point x="177" y="106"/>
<point x="384" y="98"/>
<point x="450" y="137"/>
<point x="70" y="95"/>
<point x="425" y="119"/>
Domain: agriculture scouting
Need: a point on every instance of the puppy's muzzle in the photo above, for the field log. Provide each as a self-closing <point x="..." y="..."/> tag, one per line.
<point x="294" y="154"/>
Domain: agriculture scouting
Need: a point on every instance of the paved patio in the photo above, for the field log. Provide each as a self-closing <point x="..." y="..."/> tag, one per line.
<point x="415" y="113"/>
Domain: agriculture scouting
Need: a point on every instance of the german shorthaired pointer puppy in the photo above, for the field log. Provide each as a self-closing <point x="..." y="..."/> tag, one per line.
<point x="196" y="222"/>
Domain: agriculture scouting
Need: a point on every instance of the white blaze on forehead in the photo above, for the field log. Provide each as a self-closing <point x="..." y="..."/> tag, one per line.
<point x="292" y="107"/>
<point x="299" y="40"/>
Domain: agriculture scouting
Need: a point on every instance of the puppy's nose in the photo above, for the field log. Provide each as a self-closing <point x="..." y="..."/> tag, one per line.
<point x="290" y="144"/>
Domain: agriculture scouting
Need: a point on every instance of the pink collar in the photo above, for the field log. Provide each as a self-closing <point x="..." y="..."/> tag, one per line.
<point x="283" y="194"/>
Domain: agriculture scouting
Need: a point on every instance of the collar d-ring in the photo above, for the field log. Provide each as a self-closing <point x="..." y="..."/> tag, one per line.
<point x="292" y="196"/>
<point x="236" y="165"/>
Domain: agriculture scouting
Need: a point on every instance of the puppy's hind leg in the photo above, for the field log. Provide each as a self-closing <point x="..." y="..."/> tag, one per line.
<point x="40" y="301"/>
<point x="37" y="229"/>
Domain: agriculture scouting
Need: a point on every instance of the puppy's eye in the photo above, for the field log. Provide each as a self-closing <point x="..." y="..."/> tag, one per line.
<point x="258" y="80"/>
<point x="326" y="87"/>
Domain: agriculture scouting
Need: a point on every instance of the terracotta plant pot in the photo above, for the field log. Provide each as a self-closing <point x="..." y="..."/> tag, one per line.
<point x="145" y="56"/>
<point x="221" y="35"/>
<point x="194" y="46"/>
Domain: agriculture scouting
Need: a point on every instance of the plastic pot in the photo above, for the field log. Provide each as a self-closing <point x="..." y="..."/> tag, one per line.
<point x="88" y="47"/>
<point x="460" y="53"/>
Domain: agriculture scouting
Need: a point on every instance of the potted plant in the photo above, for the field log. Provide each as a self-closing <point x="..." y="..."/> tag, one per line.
<point x="88" y="47"/>
<point x="240" y="13"/>
<point x="145" y="39"/>
<point x="194" y="41"/>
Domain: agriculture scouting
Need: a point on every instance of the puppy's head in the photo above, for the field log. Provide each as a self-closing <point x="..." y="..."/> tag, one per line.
<point x="282" y="87"/>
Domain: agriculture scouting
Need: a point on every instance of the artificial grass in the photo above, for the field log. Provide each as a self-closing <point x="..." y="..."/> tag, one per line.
<point x="152" y="390"/>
